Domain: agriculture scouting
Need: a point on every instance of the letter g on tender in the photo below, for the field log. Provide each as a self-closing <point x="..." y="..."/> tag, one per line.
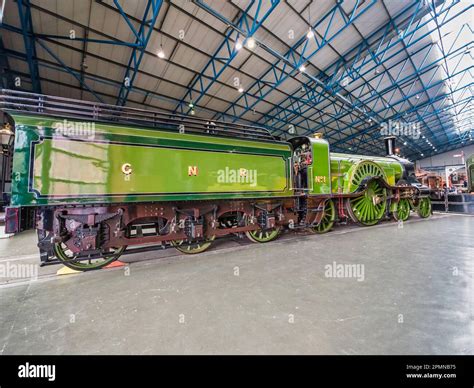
<point x="127" y="168"/>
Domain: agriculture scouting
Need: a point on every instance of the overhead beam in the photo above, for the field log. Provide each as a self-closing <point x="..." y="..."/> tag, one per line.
<point x="68" y="69"/>
<point x="24" y="13"/>
<point x="354" y="63"/>
<point x="379" y="56"/>
<point x="142" y="36"/>
<point x="226" y="52"/>
<point x="62" y="45"/>
<point x="289" y="63"/>
<point x="368" y="63"/>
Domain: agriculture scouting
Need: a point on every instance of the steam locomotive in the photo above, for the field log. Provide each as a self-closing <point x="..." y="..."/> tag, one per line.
<point x="97" y="179"/>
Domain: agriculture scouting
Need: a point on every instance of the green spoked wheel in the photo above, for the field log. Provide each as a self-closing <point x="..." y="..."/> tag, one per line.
<point x="263" y="235"/>
<point x="369" y="208"/>
<point x="362" y="170"/>
<point x="402" y="210"/>
<point x="327" y="221"/>
<point x="192" y="247"/>
<point x="74" y="261"/>
<point x="424" y="207"/>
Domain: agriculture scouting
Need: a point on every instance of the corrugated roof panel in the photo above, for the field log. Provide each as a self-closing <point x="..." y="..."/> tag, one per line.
<point x="324" y="57"/>
<point x="189" y="58"/>
<point x="47" y="24"/>
<point x="10" y="41"/>
<point x="169" y="89"/>
<point x="223" y="7"/>
<point x="203" y="38"/>
<point x="19" y="66"/>
<point x="161" y="104"/>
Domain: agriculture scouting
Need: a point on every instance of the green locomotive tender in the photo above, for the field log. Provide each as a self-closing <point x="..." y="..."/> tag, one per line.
<point x="94" y="179"/>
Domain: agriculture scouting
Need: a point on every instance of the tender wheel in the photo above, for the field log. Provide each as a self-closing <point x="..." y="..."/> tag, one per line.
<point x="263" y="235"/>
<point x="327" y="221"/>
<point x="72" y="260"/>
<point x="232" y="219"/>
<point x="192" y="247"/>
<point x="424" y="207"/>
<point x="402" y="210"/>
<point x="369" y="208"/>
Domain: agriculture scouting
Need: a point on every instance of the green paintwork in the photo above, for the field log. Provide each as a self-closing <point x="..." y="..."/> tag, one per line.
<point x="401" y="209"/>
<point x="66" y="170"/>
<point x="327" y="221"/>
<point x="363" y="208"/>
<point x="331" y="172"/>
<point x="70" y="260"/>
<point x="192" y="247"/>
<point x="424" y="207"/>
<point x="263" y="236"/>
<point x="343" y="165"/>
<point x="369" y="208"/>
<point x="359" y="171"/>
<point x="54" y="168"/>
<point x="470" y="173"/>
<point x="318" y="172"/>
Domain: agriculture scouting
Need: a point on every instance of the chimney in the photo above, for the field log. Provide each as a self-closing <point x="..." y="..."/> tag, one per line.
<point x="389" y="145"/>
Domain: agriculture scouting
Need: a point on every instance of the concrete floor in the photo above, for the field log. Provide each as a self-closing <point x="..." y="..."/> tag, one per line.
<point x="416" y="297"/>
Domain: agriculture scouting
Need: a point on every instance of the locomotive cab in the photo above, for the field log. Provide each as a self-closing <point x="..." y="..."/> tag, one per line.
<point x="310" y="165"/>
<point x="301" y="162"/>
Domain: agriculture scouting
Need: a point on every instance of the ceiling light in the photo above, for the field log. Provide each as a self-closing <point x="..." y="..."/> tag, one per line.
<point x="192" y="112"/>
<point x="310" y="33"/>
<point x="405" y="143"/>
<point x="191" y="105"/>
<point x="251" y="43"/>
<point x="241" y="89"/>
<point x="422" y="154"/>
<point x="161" y="53"/>
<point x="238" y="45"/>
<point x="302" y="68"/>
